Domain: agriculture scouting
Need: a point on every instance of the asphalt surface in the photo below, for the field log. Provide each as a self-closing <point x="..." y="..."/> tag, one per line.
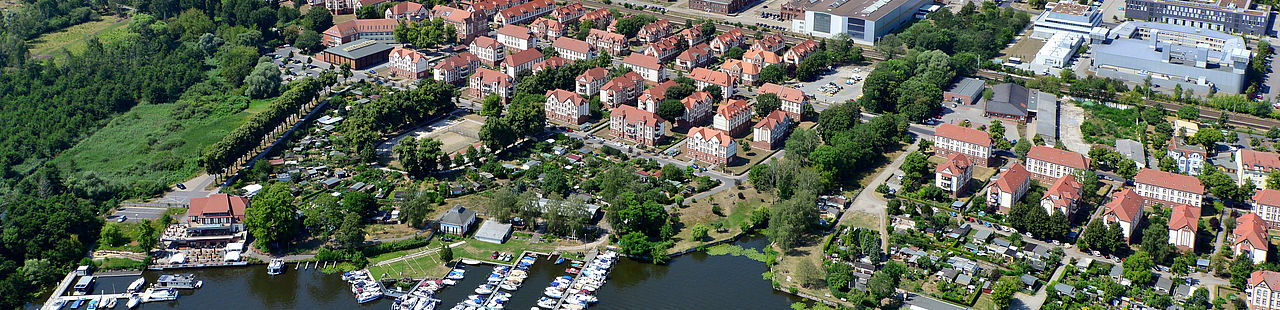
<point x="137" y="214"/>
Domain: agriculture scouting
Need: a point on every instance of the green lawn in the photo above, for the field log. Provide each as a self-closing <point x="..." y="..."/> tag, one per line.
<point x="73" y="39"/>
<point x="150" y="142"/>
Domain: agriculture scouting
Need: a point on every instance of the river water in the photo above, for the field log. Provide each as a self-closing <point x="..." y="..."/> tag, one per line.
<point x="691" y="281"/>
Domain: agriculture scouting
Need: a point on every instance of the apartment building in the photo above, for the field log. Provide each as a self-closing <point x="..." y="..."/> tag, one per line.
<point x="652" y="97"/>
<point x="381" y="30"/>
<point x="771" y="132"/>
<point x="635" y="125"/>
<point x="953" y="174"/>
<point x="797" y="53"/>
<point x="408" y="63"/>
<point x="607" y="41"/>
<point x="1063" y="196"/>
<point x="697" y="109"/>
<point x="569" y="14"/>
<point x="589" y="82"/>
<point x="663" y="49"/>
<point x="749" y="73"/>
<point x="547" y="29"/>
<point x="771" y="42"/>
<point x="694" y="57"/>
<point x="1168" y="189"/>
<point x="733" y="117"/>
<point x="728" y="40"/>
<point x="525" y="12"/>
<point x="408" y="11"/>
<point x="647" y="66"/>
<point x="521" y="61"/>
<point x="1125" y="209"/>
<point x="573" y="49"/>
<point x="1009" y="188"/>
<point x="709" y="145"/>
<point x="490" y="52"/>
<point x="970" y="142"/>
<point x="456" y="68"/>
<point x="793" y="100"/>
<point x="566" y="107"/>
<point x="1255" y="166"/>
<point x="487" y="81"/>
<point x="761" y="57"/>
<point x="1250" y="238"/>
<point x="622" y="90"/>
<point x="517" y="38"/>
<point x="1190" y="158"/>
<point x="655" y="31"/>
<point x="1266" y="205"/>
<point x="1183" y="223"/>
<point x="1048" y="164"/>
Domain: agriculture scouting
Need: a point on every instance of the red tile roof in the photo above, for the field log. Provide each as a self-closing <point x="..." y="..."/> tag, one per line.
<point x="1271" y="278"/>
<point x="362" y="25"/>
<point x="1255" y="160"/>
<point x="775" y="118"/>
<point x="662" y="25"/>
<point x="1013" y="178"/>
<point x="452" y="14"/>
<point x="1169" y="180"/>
<point x="407" y="6"/>
<point x="1066" y="189"/>
<point x="734" y="35"/>
<point x="523" y="57"/>
<point x="1126" y="205"/>
<point x="746" y="67"/>
<point x="457" y="61"/>
<point x="218" y="205"/>
<point x="515" y="31"/>
<point x="631" y="114"/>
<point x="1250" y="229"/>
<point x="771" y="41"/>
<point x="804" y="48"/>
<point x="695" y="98"/>
<point x="593" y="74"/>
<point x="695" y="52"/>
<point x="966" y="135"/>
<point x="526" y="8"/>
<point x="733" y="107"/>
<point x="485" y="42"/>
<point x="629" y="79"/>
<point x="401" y="52"/>
<point x="1060" y="157"/>
<point x="785" y="93"/>
<point x="488" y="76"/>
<point x="708" y="133"/>
<point x="551" y="63"/>
<point x="765" y="56"/>
<point x="1184" y="216"/>
<point x="713" y="77"/>
<point x="658" y="93"/>
<point x="643" y="61"/>
<point x="572" y="45"/>
<point x="1267" y="197"/>
<point x="560" y="95"/>
<point x="954" y="163"/>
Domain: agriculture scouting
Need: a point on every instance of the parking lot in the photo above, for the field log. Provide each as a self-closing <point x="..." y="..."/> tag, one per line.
<point x="956" y="113"/>
<point x="837" y="85"/>
<point x="137" y="214"/>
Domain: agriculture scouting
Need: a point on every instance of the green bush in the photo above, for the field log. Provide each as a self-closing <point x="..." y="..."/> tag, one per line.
<point x="394" y="246"/>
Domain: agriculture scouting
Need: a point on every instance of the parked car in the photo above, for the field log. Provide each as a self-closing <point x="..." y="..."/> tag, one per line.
<point x="181" y="186"/>
<point x="122" y="218"/>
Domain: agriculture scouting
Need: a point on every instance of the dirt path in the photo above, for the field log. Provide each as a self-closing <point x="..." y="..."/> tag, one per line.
<point x="868" y="202"/>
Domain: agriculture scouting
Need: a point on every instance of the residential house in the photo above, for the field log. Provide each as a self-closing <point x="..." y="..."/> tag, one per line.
<point x="381" y="30"/>
<point x="487" y="81"/>
<point x="489" y="8"/>
<point x="490" y="52"/>
<point x="569" y="14"/>
<point x="647" y="66"/>
<point x="1160" y="187"/>
<point x="218" y="214"/>
<point x="771" y="131"/>
<point x="599" y="17"/>
<point x="454" y="69"/>
<point x="732" y="117"/>
<point x="694" y="57"/>
<point x="697" y="109"/>
<point x="1255" y="165"/>
<point x="1063" y="196"/>
<point x="975" y="144"/>
<point x="1266" y="205"/>
<point x="573" y="49"/>
<point x="655" y="31"/>
<point x="548" y="29"/>
<point x="408" y="63"/>
<point x="1250" y="238"/>
<point x="457" y="221"/>
<point x="710" y="145"/>
<point x="407" y="11"/>
<point x="771" y="42"/>
<point x="622" y="90"/>
<point x="761" y="57"/>
<point x="793" y="100"/>
<point x="1264" y="290"/>
<point x="728" y="40"/>
<point x="525" y="12"/>
<point x="1125" y="209"/>
<point x="517" y="38"/>
<point x="797" y="53"/>
<point x="552" y="63"/>
<point x="1009" y="188"/>
<point x="610" y="42"/>
<point x="589" y="82"/>
<point x="1190" y="157"/>
<point x="703" y="77"/>
<point x="1047" y="164"/>
<point x="1183" y="223"/>
<point x="693" y="36"/>
<point x="652" y="97"/>
<point x="953" y="174"/>
<point x="663" y="49"/>
<point x="567" y="107"/>
<point x="635" y="125"/>
<point x="521" y="61"/>
<point x="749" y="73"/>
<point x="469" y="24"/>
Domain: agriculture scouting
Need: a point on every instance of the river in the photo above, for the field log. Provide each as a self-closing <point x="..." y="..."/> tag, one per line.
<point x="692" y="281"/>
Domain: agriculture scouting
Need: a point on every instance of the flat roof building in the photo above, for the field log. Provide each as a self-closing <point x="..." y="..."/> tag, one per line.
<point x="1234" y="16"/>
<point x="1195" y="58"/>
<point x="965" y="90"/>
<point x="865" y="21"/>
<point x="1066" y="17"/>
<point x="1057" y="52"/>
<point x="358" y="54"/>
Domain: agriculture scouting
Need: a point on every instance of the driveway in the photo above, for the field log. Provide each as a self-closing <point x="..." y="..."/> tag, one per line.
<point x="137" y="214"/>
<point x="869" y="202"/>
<point x="198" y="187"/>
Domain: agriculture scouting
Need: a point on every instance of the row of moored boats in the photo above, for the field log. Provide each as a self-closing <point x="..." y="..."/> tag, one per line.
<point x="569" y="293"/>
<point x="165" y="289"/>
<point x="363" y="285"/>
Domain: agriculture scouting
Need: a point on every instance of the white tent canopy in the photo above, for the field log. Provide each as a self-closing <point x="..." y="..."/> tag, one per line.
<point x="178" y="258"/>
<point x="232" y="256"/>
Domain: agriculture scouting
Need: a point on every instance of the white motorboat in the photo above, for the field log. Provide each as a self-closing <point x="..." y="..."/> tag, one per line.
<point x="449" y="282"/>
<point x="547" y="303"/>
<point x="133" y="302"/>
<point x="111" y="303"/>
<point x="57" y="304"/>
<point x="161" y="294"/>
<point x="276" y="267"/>
<point x="136" y="285"/>
<point x="484" y="289"/>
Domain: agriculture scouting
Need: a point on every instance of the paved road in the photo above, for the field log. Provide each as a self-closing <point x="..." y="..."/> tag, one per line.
<point x="198" y="187"/>
<point x="137" y="214"/>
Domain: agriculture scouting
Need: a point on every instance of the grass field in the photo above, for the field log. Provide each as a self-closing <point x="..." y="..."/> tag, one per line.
<point x="73" y="39"/>
<point x="149" y="143"/>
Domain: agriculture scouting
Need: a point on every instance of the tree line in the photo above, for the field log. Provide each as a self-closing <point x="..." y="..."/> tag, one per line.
<point x="220" y="155"/>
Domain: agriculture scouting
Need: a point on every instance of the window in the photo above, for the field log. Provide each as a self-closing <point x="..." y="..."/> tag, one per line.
<point x="822" y="22"/>
<point x="857" y="28"/>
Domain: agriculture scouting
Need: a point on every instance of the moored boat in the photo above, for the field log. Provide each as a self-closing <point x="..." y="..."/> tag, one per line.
<point x="276" y="267"/>
<point x="178" y="281"/>
<point x="133" y="302"/>
<point x="136" y="285"/>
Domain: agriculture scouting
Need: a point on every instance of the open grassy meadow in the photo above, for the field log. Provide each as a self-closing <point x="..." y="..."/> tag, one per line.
<point x="73" y="39"/>
<point x="150" y="142"/>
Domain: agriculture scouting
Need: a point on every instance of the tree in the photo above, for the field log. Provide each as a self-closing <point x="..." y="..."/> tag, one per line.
<point x="420" y="157"/>
<point x="446" y="253"/>
<point x="1199" y="300"/>
<point x="1093" y="236"/>
<point x="1189" y="112"/>
<point x="1207" y="139"/>
<point x="1022" y="148"/>
<point x="773" y="74"/>
<point x="1002" y="295"/>
<point x="767" y="103"/>
<point x="416" y="210"/>
<point x="734" y="53"/>
<point x="236" y="62"/>
<point x="1241" y="268"/>
<point x="308" y="41"/>
<point x="838" y="276"/>
<point x="351" y="233"/>
<point x="890" y="46"/>
<point x="808" y="274"/>
<point x="318" y="20"/>
<point x="1137" y="267"/>
<point x="504" y="204"/>
<point x="699" y="232"/>
<point x="670" y="109"/>
<point x="801" y="143"/>
<point x="263" y="82"/>
<point x="272" y="219"/>
<point x="492" y="105"/>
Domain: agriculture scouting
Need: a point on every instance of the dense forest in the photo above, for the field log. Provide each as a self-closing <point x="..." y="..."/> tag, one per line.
<point x="198" y="58"/>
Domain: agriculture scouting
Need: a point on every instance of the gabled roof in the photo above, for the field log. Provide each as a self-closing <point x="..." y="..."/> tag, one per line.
<point x="1267" y="197"/>
<point x="218" y="205"/>
<point x="1255" y="160"/>
<point x="1184" y="217"/>
<point x="407" y="6"/>
<point x="1060" y="157"/>
<point x="765" y="56"/>
<point x="1126" y="205"/>
<point x="734" y="35"/>
<point x="746" y="67"/>
<point x="523" y="57"/>
<point x="775" y="118"/>
<point x="771" y="41"/>
<point x="597" y="14"/>
<point x="489" y="76"/>
<point x="457" y="61"/>
<point x="710" y="134"/>
<point x="695" y="98"/>
<point x="733" y="107"/>
<point x="362" y="25"/>
<point x="631" y="114"/>
<point x="1010" y="99"/>
<point x="657" y="27"/>
<point x="560" y="95"/>
<point x="1169" y="180"/>
<point x="695" y="52"/>
<point x="485" y="42"/>
<point x="593" y="74"/>
<point x="597" y="34"/>
<point x="569" y="10"/>
<point x="458" y="215"/>
<point x="658" y="93"/>
<point x="1252" y="230"/>
<point x="450" y="13"/>
<point x="712" y="77"/>
<point x="953" y="164"/>
<point x="572" y="45"/>
<point x="784" y="92"/>
<point x="966" y="135"/>
<point x="526" y="8"/>
<point x="1270" y="278"/>
<point x="804" y="48"/>
<point x="629" y="79"/>
<point x="1013" y="178"/>
<point x="548" y="25"/>
<point x="413" y="55"/>
<point x="517" y="31"/>
<point x="1064" y="191"/>
<point x="551" y="63"/>
<point x="643" y="61"/>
